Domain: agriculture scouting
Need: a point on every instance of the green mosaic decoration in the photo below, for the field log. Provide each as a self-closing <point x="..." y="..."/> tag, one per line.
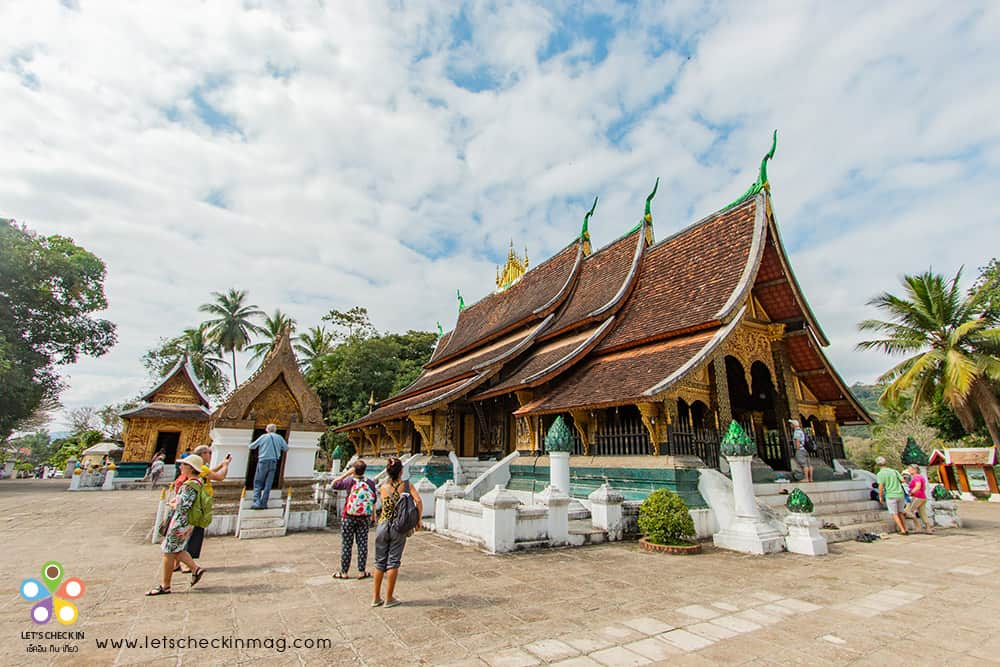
<point x="761" y="183"/>
<point x="941" y="493"/>
<point x="799" y="502"/>
<point x="559" y="439"/>
<point x="736" y="442"/>
<point x="913" y="454"/>
<point x="461" y="301"/>
<point x="585" y="232"/>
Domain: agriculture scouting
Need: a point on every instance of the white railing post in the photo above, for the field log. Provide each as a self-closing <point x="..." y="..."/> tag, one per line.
<point x="239" y="513"/>
<point x="288" y="506"/>
<point x="159" y="516"/>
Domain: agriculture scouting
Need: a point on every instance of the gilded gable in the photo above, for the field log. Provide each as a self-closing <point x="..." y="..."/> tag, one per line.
<point x="275" y="405"/>
<point x="176" y="390"/>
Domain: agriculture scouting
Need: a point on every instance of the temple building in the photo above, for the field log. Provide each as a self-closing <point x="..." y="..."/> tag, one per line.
<point x="173" y="418"/>
<point x="645" y="347"/>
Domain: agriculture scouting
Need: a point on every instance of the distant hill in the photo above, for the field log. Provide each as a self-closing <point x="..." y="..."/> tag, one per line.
<point x="867" y="395"/>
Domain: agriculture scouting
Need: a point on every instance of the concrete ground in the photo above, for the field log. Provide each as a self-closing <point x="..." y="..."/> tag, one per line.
<point x="916" y="600"/>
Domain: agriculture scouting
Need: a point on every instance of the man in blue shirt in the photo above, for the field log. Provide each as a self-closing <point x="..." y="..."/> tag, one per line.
<point x="269" y="448"/>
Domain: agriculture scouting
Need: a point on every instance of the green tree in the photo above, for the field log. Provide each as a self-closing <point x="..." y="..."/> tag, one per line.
<point x="353" y="323"/>
<point x="205" y="358"/>
<point x="49" y="289"/>
<point x="38" y="444"/>
<point x="72" y="447"/>
<point x="274" y="324"/>
<point x="232" y="327"/>
<point x="951" y="346"/>
<point x="314" y="343"/>
<point x="987" y="291"/>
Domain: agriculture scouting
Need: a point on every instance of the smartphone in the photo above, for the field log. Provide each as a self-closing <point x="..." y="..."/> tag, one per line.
<point x="229" y="456"/>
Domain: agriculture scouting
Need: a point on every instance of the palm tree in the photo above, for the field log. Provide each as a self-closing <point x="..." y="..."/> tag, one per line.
<point x="205" y="359"/>
<point x="314" y="343"/>
<point x="953" y="349"/>
<point x="232" y="327"/>
<point x="274" y="325"/>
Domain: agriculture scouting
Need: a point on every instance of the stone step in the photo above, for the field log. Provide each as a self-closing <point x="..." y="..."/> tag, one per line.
<point x="257" y="533"/>
<point x="819" y="497"/>
<point x="531" y="544"/>
<point x="276" y="513"/>
<point x="812" y="487"/>
<point x="253" y="522"/>
<point x="852" y="518"/>
<point x="848" y="533"/>
<point x="271" y="504"/>
<point x="838" y="508"/>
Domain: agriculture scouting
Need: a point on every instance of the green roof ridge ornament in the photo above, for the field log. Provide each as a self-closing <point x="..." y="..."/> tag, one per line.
<point x="647" y="215"/>
<point x="913" y="454"/>
<point x="461" y="301"/>
<point x="440" y="331"/>
<point x="798" y="502"/>
<point x="559" y="439"/>
<point x="761" y="183"/>
<point x="736" y="442"/>
<point x="585" y="232"/>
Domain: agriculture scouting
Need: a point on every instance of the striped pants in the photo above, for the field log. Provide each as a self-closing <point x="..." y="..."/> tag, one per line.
<point x="354" y="529"/>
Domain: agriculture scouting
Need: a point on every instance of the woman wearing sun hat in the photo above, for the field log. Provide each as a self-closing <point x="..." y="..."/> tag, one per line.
<point x="179" y="528"/>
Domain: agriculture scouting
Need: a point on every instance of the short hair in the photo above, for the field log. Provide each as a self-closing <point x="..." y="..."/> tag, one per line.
<point x="394" y="468"/>
<point x="271" y="428"/>
<point x="360" y="467"/>
<point x="914" y="466"/>
<point x="880" y="461"/>
<point x="201" y="450"/>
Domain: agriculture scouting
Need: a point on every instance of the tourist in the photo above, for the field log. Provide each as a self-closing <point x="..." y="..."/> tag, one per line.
<point x="917" y="509"/>
<point x="801" y="453"/>
<point x="389" y="543"/>
<point x="214" y="474"/>
<point x="177" y="463"/>
<point x="356" y="519"/>
<point x="179" y="529"/>
<point x="269" y="449"/>
<point x="890" y="492"/>
<point x="156" y="469"/>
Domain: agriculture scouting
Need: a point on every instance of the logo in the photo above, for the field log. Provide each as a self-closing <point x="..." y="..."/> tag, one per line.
<point x="53" y="595"/>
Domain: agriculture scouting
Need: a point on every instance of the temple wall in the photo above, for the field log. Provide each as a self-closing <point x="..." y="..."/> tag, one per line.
<point x="140" y="436"/>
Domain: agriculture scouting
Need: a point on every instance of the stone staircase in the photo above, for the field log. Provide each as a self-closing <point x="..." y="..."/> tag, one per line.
<point x="473" y="468"/>
<point x="845" y="504"/>
<point x="255" y="524"/>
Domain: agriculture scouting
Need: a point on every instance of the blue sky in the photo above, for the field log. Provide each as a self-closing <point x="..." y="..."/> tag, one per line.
<point x="386" y="154"/>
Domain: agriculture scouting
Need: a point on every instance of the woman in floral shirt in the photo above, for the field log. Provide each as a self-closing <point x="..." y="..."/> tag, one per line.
<point x="179" y="529"/>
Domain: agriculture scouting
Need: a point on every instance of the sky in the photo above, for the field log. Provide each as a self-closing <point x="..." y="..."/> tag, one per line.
<point x="324" y="155"/>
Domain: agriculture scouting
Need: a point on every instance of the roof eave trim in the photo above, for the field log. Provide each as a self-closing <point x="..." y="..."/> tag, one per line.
<point x="845" y="390"/>
<point x="630" y="278"/>
<point x="580" y="350"/>
<point x="520" y="347"/>
<point x="794" y="282"/>
<point x="561" y="294"/>
<point x="743" y="287"/>
<point x="701" y="356"/>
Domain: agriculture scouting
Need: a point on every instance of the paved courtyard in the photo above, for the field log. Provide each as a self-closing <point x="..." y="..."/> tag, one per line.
<point x="914" y="600"/>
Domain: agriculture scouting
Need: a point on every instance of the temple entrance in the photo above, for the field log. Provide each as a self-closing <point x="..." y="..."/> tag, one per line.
<point x="754" y="406"/>
<point x="167" y="442"/>
<point x="279" y="476"/>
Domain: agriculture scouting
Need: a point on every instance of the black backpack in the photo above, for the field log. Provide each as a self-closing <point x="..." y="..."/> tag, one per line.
<point x="810" y="443"/>
<point x="406" y="516"/>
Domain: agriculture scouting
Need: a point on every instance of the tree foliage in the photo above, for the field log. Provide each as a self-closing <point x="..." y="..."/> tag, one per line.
<point x="314" y="343"/>
<point x="952" y="349"/>
<point x="232" y="326"/>
<point x="274" y="325"/>
<point x="205" y="358"/>
<point x="49" y="289"/>
<point x="664" y="519"/>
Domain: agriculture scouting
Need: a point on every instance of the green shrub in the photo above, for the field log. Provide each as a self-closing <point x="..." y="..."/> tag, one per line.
<point x="664" y="519"/>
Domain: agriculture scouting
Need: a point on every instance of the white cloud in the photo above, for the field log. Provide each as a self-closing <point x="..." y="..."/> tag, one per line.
<point x="354" y="170"/>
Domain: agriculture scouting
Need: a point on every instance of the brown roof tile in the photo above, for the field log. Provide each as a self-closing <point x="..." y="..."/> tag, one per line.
<point x="169" y="411"/>
<point x="401" y="408"/>
<point x="501" y="311"/>
<point x="619" y="377"/>
<point x="602" y="275"/>
<point x="685" y="280"/>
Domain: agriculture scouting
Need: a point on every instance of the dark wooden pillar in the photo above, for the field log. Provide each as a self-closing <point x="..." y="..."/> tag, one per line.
<point x="722" y="404"/>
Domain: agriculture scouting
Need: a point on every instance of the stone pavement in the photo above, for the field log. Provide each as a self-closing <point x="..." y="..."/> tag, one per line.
<point x="919" y="600"/>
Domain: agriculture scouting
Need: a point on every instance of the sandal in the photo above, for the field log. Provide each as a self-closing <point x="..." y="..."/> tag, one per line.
<point x="159" y="590"/>
<point x="364" y="575"/>
<point x="395" y="602"/>
<point x="339" y="575"/>
<point x="377" y="603"/>
<point x="198" y="574"/>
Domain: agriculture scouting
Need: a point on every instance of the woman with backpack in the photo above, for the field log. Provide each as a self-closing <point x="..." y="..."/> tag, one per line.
<point x="179" y="528"/>
<point x="398" y="499"/>
<point x="357" y="517"/>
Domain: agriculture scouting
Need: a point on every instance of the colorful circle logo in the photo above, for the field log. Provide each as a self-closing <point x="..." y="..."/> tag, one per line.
<point x="53" y="595"/>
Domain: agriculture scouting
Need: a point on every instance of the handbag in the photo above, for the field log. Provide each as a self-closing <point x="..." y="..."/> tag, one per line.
<point x="164" y="526"/>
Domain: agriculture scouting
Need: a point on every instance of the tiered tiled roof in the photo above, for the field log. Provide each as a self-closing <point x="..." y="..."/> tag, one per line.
<point x="177" y="396"/>
<point x="627" y="322"/>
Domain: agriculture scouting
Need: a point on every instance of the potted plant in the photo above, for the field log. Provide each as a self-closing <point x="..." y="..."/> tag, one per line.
<point x="666" y="524"/>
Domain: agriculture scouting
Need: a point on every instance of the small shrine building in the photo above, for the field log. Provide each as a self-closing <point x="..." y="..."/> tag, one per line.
<point x="173" y="418"/>
<point x="645" y="347"/>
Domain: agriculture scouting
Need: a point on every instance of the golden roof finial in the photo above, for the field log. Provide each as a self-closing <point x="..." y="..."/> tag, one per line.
<point x="513" y="269"/>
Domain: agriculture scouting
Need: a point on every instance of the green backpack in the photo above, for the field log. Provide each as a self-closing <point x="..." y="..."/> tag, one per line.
<point x="200" y="514"/>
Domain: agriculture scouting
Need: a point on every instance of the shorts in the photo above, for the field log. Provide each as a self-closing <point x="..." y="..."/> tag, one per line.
<point x="894" y="505"/>
<point x="389" y="546"/>
<point x="802" y="457"/>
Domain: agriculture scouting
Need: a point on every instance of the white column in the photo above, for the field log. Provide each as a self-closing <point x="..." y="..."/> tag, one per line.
<point x="747" y="532"/>
<point x="426" y="489"/>
<point x="300" y="460"/>
<point x="558" y="515"/>
<point x="606" y="511"/>
<point x="74" y="481"/>
<point x="109" y="480"/>
<point x="559" y="471"/>
<point x="444" y="493"/>
<point x="235" y="441"/>
<point x="804" y="536"/>
<point x="500" y="519"/>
